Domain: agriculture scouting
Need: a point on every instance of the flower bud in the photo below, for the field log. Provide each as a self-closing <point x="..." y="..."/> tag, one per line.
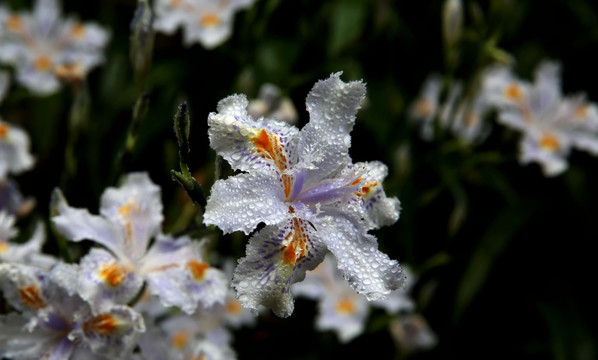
<point x="142" y="42"/>
<point x="452" y="22"/>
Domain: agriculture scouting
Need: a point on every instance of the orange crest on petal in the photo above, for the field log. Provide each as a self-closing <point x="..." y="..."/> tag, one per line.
<point x="78" y="30"/>
<point x="179" y="339"/>
<point x="30" y="296"/>
<point x="268" y="146"/>
<point x="296" y="245"/>
<point x="103" y="324"/>
<point x="14" y="23"/>
<point x="209" y="20"/>
<point x="43" y="63"/>
<point x="345" y="305"/>
<point x="113" y="273"/>
<point x="513" y="92"/>
<point x="4" y="130"/>
<point x="549" y="142"/>
<point x="197" y="269"/>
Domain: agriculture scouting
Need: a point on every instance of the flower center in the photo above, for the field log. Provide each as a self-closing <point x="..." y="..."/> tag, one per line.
<point x="78" y="30"/>
<point x="29" y="295"/>
<point x="581" y="112"/>
<point x="209" y="20"/>
<point x="470" y="120"/>
<point x="345" y="306"/>
<point x="197" y="269"/>
<point x="3" y="247"/>
<point x="514" y="92"/>
<point x="43" y="63"/>
<point x="424" y="108"/>
<point x="113" y="273"/>
<point x="14" y="23"/>
<point x="180" y="339"/>
<point x="103" y="324"/>
<point x="125" y="210"/>
<point x="233" y="307"/>
<point x="549" y="142"/>
<point x="4" y="129"/>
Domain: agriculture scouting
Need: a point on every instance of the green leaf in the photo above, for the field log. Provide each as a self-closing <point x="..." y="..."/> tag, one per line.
<point x="346" y="24"/>
<point x="490" y="248"/>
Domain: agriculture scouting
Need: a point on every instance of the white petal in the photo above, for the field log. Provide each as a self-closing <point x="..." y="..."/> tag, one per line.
<point x="369" y="271"/>
<point x="344" y="313"/>
<point x="113" y="333"/>
<point x="381" y="209"/>
<point x="23" y="287"/>
<point x="136" y="208"/>
<point x="243" y="201"/>
<point x="276" y="258"/>
<point x="247" y="144"/>
<point x="104" y="281"/>
<point x="332" y="105"/>
<point x="79" y="224"/>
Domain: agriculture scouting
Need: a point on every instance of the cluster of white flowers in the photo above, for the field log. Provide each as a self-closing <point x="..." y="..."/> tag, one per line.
<point x="81" y="311"/>
<point x="42" y="46"/>
<point x="14" y="159"/>
<point x="462" y="114"/>
<point x="146" y="294"/>
<point x="301" y="183"/>
<point x="342" y="309"/>
<point x="550" y="123"/>
<point x="209" y="22"/>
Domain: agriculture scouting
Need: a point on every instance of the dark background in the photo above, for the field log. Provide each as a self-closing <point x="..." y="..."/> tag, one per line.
<point x="504" y="255"/>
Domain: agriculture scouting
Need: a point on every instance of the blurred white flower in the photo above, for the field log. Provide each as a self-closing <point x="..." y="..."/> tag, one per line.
<point x="551" y="124"/>
<point x="55" y="323"/>
<point x="181" y="337"/>
<point x="209" y="22"/>
<point x="340" y="308"/>
<point x="41" y="43"/>
<point x="14" y="150"/>
<point x="271" y="104"/>
<point x="425" y="109"/>
<point x="131" y="215"/>
<point x="26" y="253"/>
<point x="412" y="334"/>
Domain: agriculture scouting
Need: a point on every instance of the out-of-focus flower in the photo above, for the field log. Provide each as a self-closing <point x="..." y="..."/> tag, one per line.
<point x="55" y="323"/>
<point x="201" y="336"/>
<point x="412" y="333"/>
<point x="209" y="22"/>
<point x="305" y="188"/>
<point x="462" y="114"/>
<point x="26" y="253"/>
<point x="424" y="110"/>
<point x="271" y="104"/>
<point x="551" y="125"/>
<point x="468" y="121"/>
<point x="14" y="150"/>
<point x="12" y="201"/>
<point x="340" y="308"/>
<point x="131" y="215"/>
<point x="41" y="43"/>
